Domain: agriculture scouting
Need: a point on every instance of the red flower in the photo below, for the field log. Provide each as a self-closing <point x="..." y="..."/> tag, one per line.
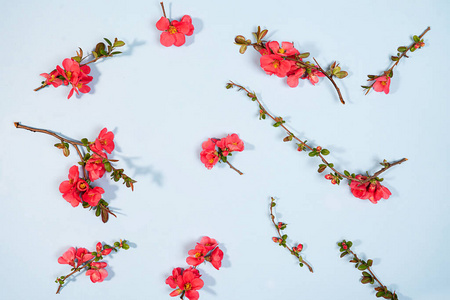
<point x="189" y="282"/>
<point x="208" y="243"/>
<point x="230" y="143"/>
<point x="68" y="257"/>
<point x="196" y="255"/>
<point x="172" y="280"/>
<point x="105" y="141"/>
<point x="83" y="255"/>
<point x="175" y="31"/>
<point x="371" y="190"/>
<point x="275" y="64"/>
<point x="382" y="84"/>
<point x="100" y="252"/>
<point x="287" y="49"/>
<point x="215" y="258"/>
<point x="76" y="75"/>
<point x="95" y="165"/>
<point x="298" y="248"/>
<point x="209" y="155"/>
<point x="293" y="78"/>
<point x="82" y="185"/>
<point x="69" y="187"/>
<point x="314" y="76"/>
<point x="93" y="196"/>
<point x="52" y="78"/>
<point x="97" y="271"/>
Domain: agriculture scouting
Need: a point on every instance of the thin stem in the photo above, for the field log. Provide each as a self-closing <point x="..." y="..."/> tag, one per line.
<point x="76" y="270"/>
<point x="332" y="81"/>
<point x="368" y="268"/>
<point x="164" y="11"/>
<point x="272" y="217"/>
<point x="231" y="166"/>
<point x="310" y="148"/>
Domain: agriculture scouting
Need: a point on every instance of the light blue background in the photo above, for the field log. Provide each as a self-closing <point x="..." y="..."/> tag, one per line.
<point x="162" y="103"/>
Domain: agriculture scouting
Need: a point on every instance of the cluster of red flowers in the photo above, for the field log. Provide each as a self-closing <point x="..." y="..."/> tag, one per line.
<point x="187" y="282"/>
<point x="81" y="258"/>
<point x="371" y="190"/>
<point x="77" y="190"/>
<point x="174" y="32"/>
<point x="282" y="61"/>
<point x="71" y="73"/>
<point x="215" y="150"/>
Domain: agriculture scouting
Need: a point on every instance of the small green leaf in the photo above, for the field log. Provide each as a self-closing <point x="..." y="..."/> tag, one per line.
<point x="312" y="153"/>
<point x="109" y="43"/>
<point x="125" y="246"/>
<point x="413" y="49"/>
<point x="243" y="49"/>
<point x="346" y="173"/>
<point x="394" y="58"/>
<point x="325" y="152"/>
<point x="119" y="44"/>
<point x="116" y="52"/>
<point x="362" y="267"/>
<point x="277" y="124"/>
<point x="108" y="167"/>
<point x="331" y="165"/>
<point x="380" y="294"/>
<point x="341" y="74"/>
<point x="370" y="262"/>
<point x="304" y="55"/>
<point x="240" y="40"/>
<point x="98" y="211"/>
<point x="401" y="49"/>
<point x="365" y="280"/>
<point x="416" y="39"/>
<point x="343" y="254"/>
<point x="273" y="204"/>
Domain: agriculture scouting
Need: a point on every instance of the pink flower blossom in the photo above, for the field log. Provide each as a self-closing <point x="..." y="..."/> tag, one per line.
<point x="371" y="190"/>
<point x="196" y="255"/>
<point x="215" y="258"/>
<point x="83" y="255"/>
<point x="105" y="141"/>
<point x="76" y="75"/>
<point x="68" y="257"/>
<point x="293" y="78"/>
<point x="69" y="187"/>
<point x="172" y="280"/>
<point x="82" y="185"/>
<point x="100" y="252"/>
<point x="209" y="155"/>
<point x="382" y="84"/>
<point x="208" y="243"/>
<point x="231" y="143"/>
<point x="93" y="196"/>
<point x="97" y="271"/>
<point x="189" y="282"/>
<point x="298" y="248"/>
<point x="95" y="166"/>
<point x="275" y="64"/>
<point x="52" y="78"/>
<point x="174" y="32"/>
<point x="313" y="77"/>
<point x="286" y="49"/>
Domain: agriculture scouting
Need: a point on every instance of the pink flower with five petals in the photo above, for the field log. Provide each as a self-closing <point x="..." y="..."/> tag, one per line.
<point x="196" y="255"/>
<point x="174" y="32"/>
<point x="105" y="141"/>
<point x="69" y="187"/>
<point x="97" y="271"/>
<point x="93" y="196"/>
<point x="95" y="165"/>
<point x="382" y="84"/>
<point x="68" y="257"/>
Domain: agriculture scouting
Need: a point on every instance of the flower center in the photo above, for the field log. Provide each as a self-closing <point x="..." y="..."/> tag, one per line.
<point x="172" y="30"/>
<point x="197" y="255"/>
<point x="187" y="286"/>
<point x="276" y="63"/>
<point x="383" y="83"/>
<point x="79" y="85"/>
<point x="69" y="74"/>
<point x="281" y="51"/>
<point x="210" y="161"/>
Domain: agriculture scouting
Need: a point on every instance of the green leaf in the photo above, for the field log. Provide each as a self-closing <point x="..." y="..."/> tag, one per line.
<point x="331" y="165"/>
<point x="119" y="44"/>
<point x="98" y="211"/>
<point x="243" y="49"/>
<point x="273" y="204"/>
<point x="277" y="124"/>
<point x="325" y="152"/>
<point x="362" y="267"/>
<point x="416" y="39"/>
<point x="346" y="173"/>
<point x="394" y="58"/>
<point x="365" y="274"/>
<point x="413" y="49"/>
<point x="116" y="52"/>
<point x="116" y="244"/>
<point x="125" y="246"/>
<point x="304" y="55"/>
<point x="380" y="294"/>
<point x="240" y="40"/>
<point x="349" y="244"/>
<point x="108" y="41"/>
<point x="108" y="167"/>
<point x="401" y="49"/>
<point x="365" y="280"/>
<point x="312" y="153"/>
<point x="343" y="254"/>
<point x="341" y="74"/>
<point x="370" y="262"/>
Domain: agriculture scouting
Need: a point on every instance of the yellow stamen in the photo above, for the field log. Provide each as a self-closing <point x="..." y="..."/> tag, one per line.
<point x="281" y="51"/>
<point x="276" y="64"/>
<point x="172" y="30"/>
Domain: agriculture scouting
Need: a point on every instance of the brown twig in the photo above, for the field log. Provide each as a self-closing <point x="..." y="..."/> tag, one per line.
<point x="368" y="267"/>
<point x="332" y="81"/>
<point x="78" y="269"/>
<point x="272" y="217"/>
<point x="164" y="11"/>
<point x="231" y="166"/>
<point x="310" y="148"/>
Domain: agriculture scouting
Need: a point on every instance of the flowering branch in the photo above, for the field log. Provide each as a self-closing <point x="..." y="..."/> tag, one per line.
<point x="174" y="33"/>
<point x="283" y="237"/>
<point x="218" y="150"/>
<point x="288" y="61"/>
<point x="361" y="182"/>
<point x="78" y="190"/>
<point x="187" y="282"/>
<point x="368" y="277"/>
<point x="81" y="259"/>
<point x="75" y="72"/>
<point x="381" y="82"/>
